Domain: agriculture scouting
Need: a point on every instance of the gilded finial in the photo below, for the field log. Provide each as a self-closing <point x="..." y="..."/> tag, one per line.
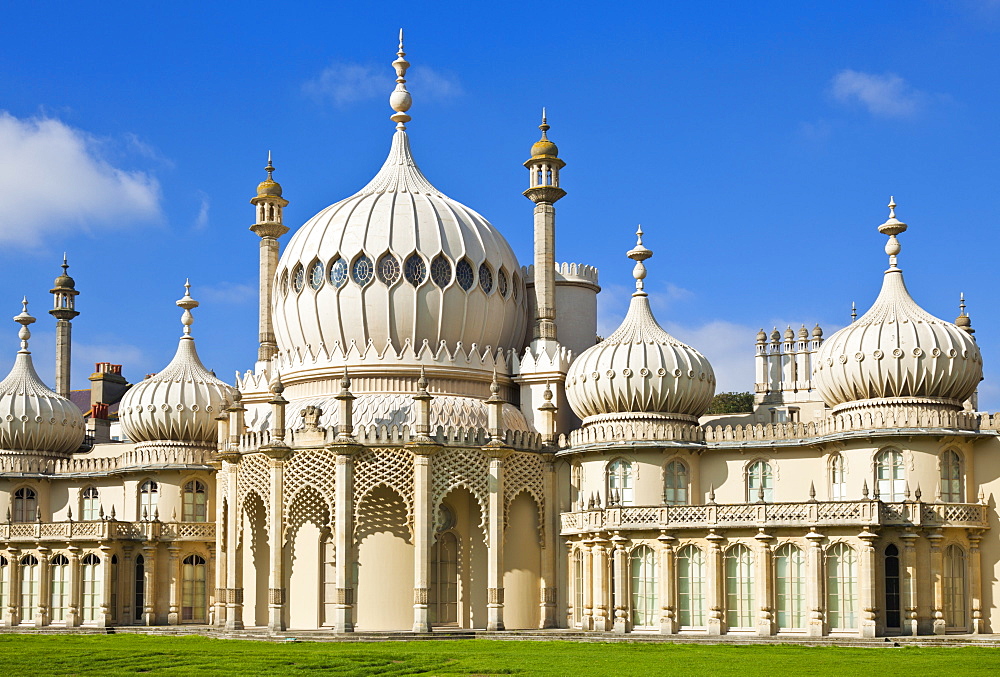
<point x="400" y="99"/>
<point x="24" y="319"/>
<point x="892" y="227"/>
<point x="187" y="303"/>
<point x="639" y="254"/>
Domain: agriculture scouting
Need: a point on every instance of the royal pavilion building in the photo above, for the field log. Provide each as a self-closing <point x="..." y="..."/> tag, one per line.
<point x="432" y="436"/>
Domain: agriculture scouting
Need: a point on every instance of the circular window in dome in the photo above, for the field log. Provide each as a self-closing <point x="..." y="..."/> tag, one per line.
<point x="463" y="273"/>
<point x="415" y="270"/>
<point x="502" y="283"/>
<point x="516" y="287"/>
<point x="388" y="270"/>
<point x="362" y="270"/>
<point x="298" y="278"/>
<point x="284" y="283"/>
<point x="486" y="278"/>
<point x="316" y="275"/>
<point x="441" y="271"/>
<point x="338" y="272"/>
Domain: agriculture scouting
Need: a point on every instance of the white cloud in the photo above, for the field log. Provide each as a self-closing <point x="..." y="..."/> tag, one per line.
<point x="344" y="83"/>
<point x="728" y="346"/>
<point x="201" y="221"/>
<point x="55" y="180"/>
<point x="886" y="95"/>
<point x="228" y="292"/>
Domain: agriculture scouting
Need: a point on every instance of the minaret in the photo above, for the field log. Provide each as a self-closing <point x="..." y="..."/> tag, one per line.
<point x="269" y="227"/>
<point x="64" y="310"/>
<point x="544" y="191"/>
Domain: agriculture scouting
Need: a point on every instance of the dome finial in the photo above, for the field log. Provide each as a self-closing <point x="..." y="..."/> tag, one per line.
<point x="961" y="303"/>
<point x="65" y="265"/>
<point x="187" y="303"/>
<point x="24" y="319"/>
<point x="400" y="99"/>
<point x="854" y="311"/>
<point x="892" y="227"/>
<point x="639" y="254"/>
<point x="270" y="167"/>
<point x="963" y="321"/>
<point x="545" y="125"/>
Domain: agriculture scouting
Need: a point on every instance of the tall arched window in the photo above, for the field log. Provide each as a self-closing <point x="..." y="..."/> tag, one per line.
<point x="193" y="594"/>
<point x="620" y="485"/>
<point x="838" y="483"/>
<point x="195" y="502"/>
<point x="25" y="505"/>
<point x="951" y="478"/>
<point x="790" y="588"/>
<point x="578" y="583"/>
<point x="889" y="476"/>
<point x="59" y="585"/>
<point x="444" y="579"/>
<point x="739" y="587"/>
<point x="675" y="483"/>
<point x="954" y="588"/>
<point x="691" y="587"/>
<point x="893" y="617"/>
<point x="576" y="485"/>
<point x="330" y="600"/>
<point x="841" y="587"/>
<point x="149" y="493"/>
<point x="759" y="476"/>
<point x="644" y="587"/>
<point x="90" y="579"/>
<point x="90" y="506"/>
<point x="29" y="588"/>
<point x="140" y="587"/>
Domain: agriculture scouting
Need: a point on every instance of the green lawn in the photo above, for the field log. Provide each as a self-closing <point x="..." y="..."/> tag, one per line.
<point x="127" y="654"/>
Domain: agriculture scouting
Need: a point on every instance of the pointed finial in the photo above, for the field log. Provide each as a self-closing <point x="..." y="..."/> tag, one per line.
<point x="711" y="493"/>
<point x="270" y="167"/>
<point x="422" y="381"/>
<point x="65" y="264"/>
<point x="345" y="383"/>
<point x="961" y="303"/>
<point x="854" y="311"/>
<point x="187" y="303"/>
<point x="400" y="99"/>
<point x="277" y="387"/>
<point x="544" y="126"/>
<point x="24" y="319"/>
<point x="812" y="491"/>
<point x="639" y="254"/>
<point x="892" y="227"/>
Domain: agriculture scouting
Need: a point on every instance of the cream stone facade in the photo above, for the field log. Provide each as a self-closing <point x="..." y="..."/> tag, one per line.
<point x="431" y="436"/>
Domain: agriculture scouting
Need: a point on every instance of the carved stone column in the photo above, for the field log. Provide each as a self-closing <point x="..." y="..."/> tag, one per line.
<point x="976" y="580"/>
<point x="866" y="571"/>
<point x="343" y="610"/>
<point x="44" y="587"/>
<point x="715" y="584"/>
<point x="668" y="584"/>
<point x="571" y="587"/>
<point x="602" y="620"/>
<point x="276" y="579"/>
<point x="549" y="583"/>
<point x="13" y="610"/>
<point x="909" y="582"/>
<point x="174" y="575"/>
<point x="104" y="614"/>
<point x="149" y="590"/>
<point x="220" y="562"/>
<point x="423" y="533"/>
<point x="814" y="584"/>
<point x="126" y="581"/>
<point x="234" y="562"/>
<point x="496" y="453"/>
<point x="623" y="602"/>
<point x="765" y="585"/>
<point x="937" y="580"/>
<point x="73" y="618"/>
<point x="587" y="616"/>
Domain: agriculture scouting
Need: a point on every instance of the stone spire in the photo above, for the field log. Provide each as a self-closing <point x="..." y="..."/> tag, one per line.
<point x="269" y="228"/>
<point x="963" y="321"/>
<point x="64" y="295"/>
<point x="400" y="99"/>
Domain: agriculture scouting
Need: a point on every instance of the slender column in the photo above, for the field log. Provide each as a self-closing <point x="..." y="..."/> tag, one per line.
<point x="765" y="585"/>
<point x="220" y="562"/>
<point x="104" y="614"/>
<point x="174" y="574"/>
<point x="64" y="295"/>
<point x="623" y="620"/>
<point x="814" y="583"/>
<point x="976" y="581"/>
<point x="423" y="527"/>
<point x="269" y="228"/>
<point x="716" y="621"/>
<point x="495" y="562"/>
<point x="276" y="580"/>
<point x="587" y="617"/>
<point x="234" y="565"/>
<point x="73" y="612"/>
<point x="937" y="579"/>
<point x="909" y="582"/>
<point x="869" y="609"/>
<point x="601" y="619"/>
<point x="126" y="581"/>
<point x="571" y="587"/>
<point x="150" y="590"/>
<point x="668" y="584"/>
<point x="343" y="620"/>
<point x="13" y="611"/>
<point x="549" y="517"/>
<point x="44" y="587"/>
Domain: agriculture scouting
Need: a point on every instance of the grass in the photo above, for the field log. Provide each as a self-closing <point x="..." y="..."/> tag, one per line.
<point x="131" y="654"/>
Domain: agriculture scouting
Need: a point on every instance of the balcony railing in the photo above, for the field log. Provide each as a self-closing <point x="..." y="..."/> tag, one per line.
<point x="108" y="530"/>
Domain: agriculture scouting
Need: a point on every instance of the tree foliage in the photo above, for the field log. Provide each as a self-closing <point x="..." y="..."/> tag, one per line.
<point x="731" y="403"/>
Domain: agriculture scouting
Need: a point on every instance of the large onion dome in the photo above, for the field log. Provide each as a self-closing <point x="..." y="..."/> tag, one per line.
<point x="398" y="262"/>
<point x="179" y="404"/>
<point x="897" y="349"/>
<point x="640" y="371"/>
<point x="32" y="417"/>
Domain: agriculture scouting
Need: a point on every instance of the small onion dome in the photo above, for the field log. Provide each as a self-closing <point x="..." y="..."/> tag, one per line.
<point x="32" y="417"/>
<point x="775" y="336"/>
<point x="180" y="403"/>
<point x="897" y="349"/>
<point x="640" y="368"/>
<point x="761" y="336"/>
<point x="817" y="332"/>
<point x="64" y="282"/>
<point x="544" y="147"/>
<point x="789" y="334"/>
<point x="269" y="187"/>
<point x="803" y="333"/>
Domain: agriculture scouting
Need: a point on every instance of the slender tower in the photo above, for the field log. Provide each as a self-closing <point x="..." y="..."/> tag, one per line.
<point x="544" y="191"/>
<point x="64" y="310"/>
<point x="269" y="227"/>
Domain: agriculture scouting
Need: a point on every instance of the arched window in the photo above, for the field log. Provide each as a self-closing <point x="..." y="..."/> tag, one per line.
<point x="841" y="587"/>
<point x="739" y="587"/>
<point x="149" y="493"/>
<point x="675" y="483"/>
<point x="644" y="587"/>
<point x="889" y="476"/>
<point x="620" y="487"/>
<point x="338" y="272"/>
<point x="951" y="478"/>
<point x="444" y="579"/>
<point x="578" y="583"/>
<point x="388" y="270"/>
<point x="195" y="502"/>
<point x="362" y="271"/>
<point x="790" y="587"/>
<point x="464" y="274"/>
<point x="298" y="278"/>
<point x="59" y="586"/>
<point x="25" y="505"/>
<point x="691" y="587"/>
<point x="140" y="587"/>
<point x="954" y="588"/>
<point x="91" y="587"/>
<point x="893" y="617"/>
<point x="838" y="483"/>
<point x="90" y="505"/>
<point x="29" y="588"/>
<point x="576" y="485"/>
<point x="193" y="594"/>
<point x="317" y="271"/>
<point x="759" y="476"/>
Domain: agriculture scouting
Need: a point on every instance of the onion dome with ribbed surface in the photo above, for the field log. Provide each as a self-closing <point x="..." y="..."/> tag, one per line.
<point x="32" y="417"/>
<point x="640" y="371"/>
<point x="897" y="349"/>
<point x="180" y="403"/>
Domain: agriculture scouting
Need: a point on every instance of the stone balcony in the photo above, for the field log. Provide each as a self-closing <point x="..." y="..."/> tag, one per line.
<point x="807" y="515"/>
<point x="106" y="530"/>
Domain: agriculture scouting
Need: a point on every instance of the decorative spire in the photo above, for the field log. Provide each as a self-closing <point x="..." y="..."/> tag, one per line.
<point x="24" y="319"/>
<point x="854" y="311"/>
<point x="963" y="321"/>
<point x="400" y="99"/>
<point x="892" y="227"/>
<point x="639" y="254"/>
<point x="269" y="168"/>
<point x="187" y="303"/>
<point x="544" y="126"/>
<point x="65" y="265"/>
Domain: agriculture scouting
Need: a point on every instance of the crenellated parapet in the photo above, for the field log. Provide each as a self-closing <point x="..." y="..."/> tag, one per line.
<point x="567" y="273"/>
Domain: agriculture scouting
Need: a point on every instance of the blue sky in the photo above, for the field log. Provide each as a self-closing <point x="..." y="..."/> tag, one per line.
<point x="756" y="144"/>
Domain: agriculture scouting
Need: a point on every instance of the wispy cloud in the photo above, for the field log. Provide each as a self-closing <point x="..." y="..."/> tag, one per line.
<point x="344" y="83"/>
<point x="55" y="179"/>
<point x="228" y="292"/>
<point x="201" y="220"/>
<point x="883" y="95"/>
<point x="727" y="345"/>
